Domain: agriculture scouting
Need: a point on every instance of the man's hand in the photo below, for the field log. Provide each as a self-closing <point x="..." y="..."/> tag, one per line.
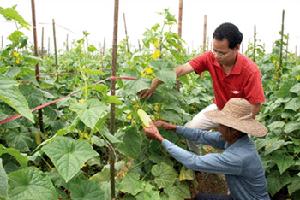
<point x="145" y="94"/>
<point x="153" y="133"/>
<point x="149" y="92"/>
<point x="164" y="125"/>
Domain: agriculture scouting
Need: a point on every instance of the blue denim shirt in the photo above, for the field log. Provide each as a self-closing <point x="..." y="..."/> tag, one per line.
<point x="239" y="162"/>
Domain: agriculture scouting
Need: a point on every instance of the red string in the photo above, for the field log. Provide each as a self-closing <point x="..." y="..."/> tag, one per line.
<point x="14" y="117"/>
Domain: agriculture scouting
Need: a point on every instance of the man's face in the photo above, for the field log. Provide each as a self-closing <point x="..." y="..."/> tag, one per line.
<point x="223" y="53"/>
<point x="225" y="131"/>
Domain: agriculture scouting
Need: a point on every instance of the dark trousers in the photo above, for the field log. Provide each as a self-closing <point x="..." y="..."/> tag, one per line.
<point x="207" y="196"/>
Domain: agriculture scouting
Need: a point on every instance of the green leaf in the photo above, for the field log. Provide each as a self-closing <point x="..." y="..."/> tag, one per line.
<point x="275" y="125"/>
<point x="30" y="183"/>
<point x="131" y="183"/>
<point x="148" y="193"/>
<point x="180" y="191"/>
<point x="91" y="48"/>
<point x="186" y="174"/>
<point x="85" y="190"/>
<point x="3" y="182"/>
<point x="167" y="76"/>
<point x="11" y="14"/>
<point x="15" y="153"/>
<point x="273" y="144"/>
<point x="132" y="142"/>
<point x="295" y="185"/>
<point x="294" y="104"/>
<point x="133" y="87"/>
<point x="19" y="140"/>
<point x="291" y="126"/>
<point x="90" y="111"/>
<point x="274" y="185"/>
<point x="295" y="88"/>
<point x="164" y="175"/>
<point x="15" y="36"/>
<point x="10" y="94"/>
<point x="68" y="155"/>
<point x="283" y="164"/>
<point x="112" y="99"/>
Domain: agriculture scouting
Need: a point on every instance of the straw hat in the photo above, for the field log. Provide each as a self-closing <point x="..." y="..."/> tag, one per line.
<point x="237" y="114"/>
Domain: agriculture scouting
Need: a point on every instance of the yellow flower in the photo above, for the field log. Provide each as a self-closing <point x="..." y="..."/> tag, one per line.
<point x="149" y="70"/>
<point x="18" y="60"/>
<point x="156" y="54"/>
<point x="129" y="117"/>
<point x="16" y="54"/>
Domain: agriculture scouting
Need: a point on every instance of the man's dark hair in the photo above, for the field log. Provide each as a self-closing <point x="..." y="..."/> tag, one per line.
<point x="230" y="32"/>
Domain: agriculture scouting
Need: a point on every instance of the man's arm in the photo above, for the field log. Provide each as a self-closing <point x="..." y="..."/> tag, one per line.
<point x="180" y="71"/>
<point x="255" y="109"/>
<point x="225" y="163"/>
<point x="200" y="136"/>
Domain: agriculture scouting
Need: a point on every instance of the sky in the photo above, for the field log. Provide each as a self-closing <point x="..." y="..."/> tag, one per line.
<point x="96" y="17"/>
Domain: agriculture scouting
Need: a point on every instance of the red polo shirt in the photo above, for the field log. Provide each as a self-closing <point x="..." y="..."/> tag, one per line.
<point x="244" y="80"/>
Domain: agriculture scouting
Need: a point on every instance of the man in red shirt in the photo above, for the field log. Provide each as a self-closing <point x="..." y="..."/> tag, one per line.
<point x="233" y="74"/>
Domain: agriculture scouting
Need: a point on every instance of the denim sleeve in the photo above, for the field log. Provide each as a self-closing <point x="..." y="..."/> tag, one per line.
<point x="225" y="163"/>
<point x="200" y="136"/>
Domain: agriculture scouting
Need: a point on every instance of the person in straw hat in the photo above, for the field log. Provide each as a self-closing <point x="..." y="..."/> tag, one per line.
<point x="239" y="161"/>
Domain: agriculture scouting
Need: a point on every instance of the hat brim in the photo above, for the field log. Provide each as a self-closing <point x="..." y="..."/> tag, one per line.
<point x="250" y="126"/>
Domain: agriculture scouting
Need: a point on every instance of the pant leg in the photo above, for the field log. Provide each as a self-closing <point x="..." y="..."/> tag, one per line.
<point x="207" y="196"/>
<point x="201" y="121"/>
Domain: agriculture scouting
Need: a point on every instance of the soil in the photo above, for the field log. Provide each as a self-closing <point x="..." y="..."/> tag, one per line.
<point x="208" y="183"/>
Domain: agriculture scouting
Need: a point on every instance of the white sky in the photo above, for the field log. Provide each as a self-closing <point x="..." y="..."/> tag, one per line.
<point x="96" y="17"/>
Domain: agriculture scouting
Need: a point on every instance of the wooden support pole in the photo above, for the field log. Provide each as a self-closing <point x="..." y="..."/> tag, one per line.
<point x="180" y="14"/>
<point x="42" y="42"/>
<point x="67" y="43"/>
<point x="55" y="47"/>
<point x="48" y="45"/>
<point x="204" y="34"/>
<point x="2" y="44"/>
<point x="254" y="43"/>
<point x="113" y="92"/>
<point x="126" y="33"/>
<point x="37" y="67"/>
<point x="279" y="70"/>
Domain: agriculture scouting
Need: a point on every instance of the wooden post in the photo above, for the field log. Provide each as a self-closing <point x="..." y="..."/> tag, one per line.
<point x="126" y="33"/>
<point x="37" y="67"/>
<point x="42" y="42"/>
<point x="254" y="43"/>
<point x="113" y="92"/>
<point x="296" y="51"/>
<point x="48" y="45"/>
<point x="55" y="47"/>
<point x="287" y="48"/>
<point x="204" y="33"/>
<point x="2" y="45"/>
<point x="140" y="46"/>
<point x="103" y="50"/>
<point x="180" y="12"/>
<point x="278" y="71"/>
<point x="67" y="43"/>
<point x="179" y="31"/>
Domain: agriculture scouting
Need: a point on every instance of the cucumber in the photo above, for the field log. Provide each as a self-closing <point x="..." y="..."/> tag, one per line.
<point x="146" y="120"/>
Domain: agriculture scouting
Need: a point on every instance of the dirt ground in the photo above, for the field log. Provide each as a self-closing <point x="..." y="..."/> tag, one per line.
<point x="208" y="183"/>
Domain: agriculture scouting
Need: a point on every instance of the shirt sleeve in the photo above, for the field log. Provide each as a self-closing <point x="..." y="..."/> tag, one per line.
<point x="253" y="89"/>
<point x="199" y="63"/>
<point x="225" y="163"/>
<point x="200" y="136"/>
